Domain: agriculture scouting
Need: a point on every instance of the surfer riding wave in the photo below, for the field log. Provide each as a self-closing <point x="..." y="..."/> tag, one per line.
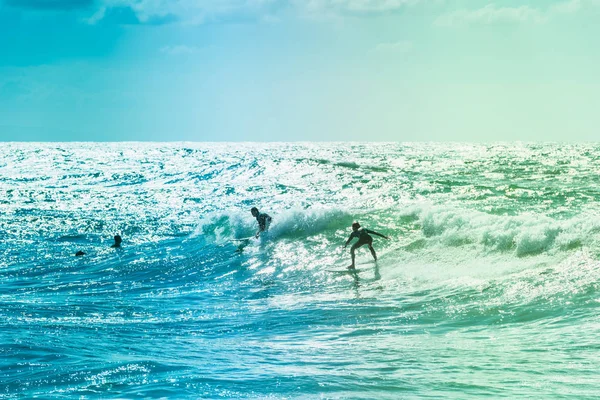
<point x="364" y="237"/>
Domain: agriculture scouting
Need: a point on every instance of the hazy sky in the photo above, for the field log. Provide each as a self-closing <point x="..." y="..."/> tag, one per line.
<point x="283" y="70"/>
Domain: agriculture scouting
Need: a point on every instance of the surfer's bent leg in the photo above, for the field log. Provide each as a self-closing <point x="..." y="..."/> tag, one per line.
<point x="352" y="255"/>
<point x="373" y="252"/>
<point x="352" y="249"/>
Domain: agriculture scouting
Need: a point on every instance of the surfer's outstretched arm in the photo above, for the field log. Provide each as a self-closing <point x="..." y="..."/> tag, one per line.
<point x="378" y="234"/>
<point x="348" y="241"/>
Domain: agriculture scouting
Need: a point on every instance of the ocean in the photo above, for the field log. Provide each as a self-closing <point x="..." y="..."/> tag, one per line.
<point x="488" y="288"/>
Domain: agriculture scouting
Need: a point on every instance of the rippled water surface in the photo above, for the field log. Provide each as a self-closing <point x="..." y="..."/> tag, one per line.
<point x="488" y="288"/>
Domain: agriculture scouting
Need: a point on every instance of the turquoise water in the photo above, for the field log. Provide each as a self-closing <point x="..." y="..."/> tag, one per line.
<point x="488" y="288"/>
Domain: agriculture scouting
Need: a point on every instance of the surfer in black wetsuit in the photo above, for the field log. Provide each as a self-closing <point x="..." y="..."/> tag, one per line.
<point x="118" y="241"/>
<point x="363" y="238"/>
<point x="264" y="220"/>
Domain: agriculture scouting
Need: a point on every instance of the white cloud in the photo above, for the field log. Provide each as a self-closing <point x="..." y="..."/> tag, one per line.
<point x="199" y="11"/>
<point x="491" y="14"/>
<point x="400" y="47"/>
<point x="567" y="7"/>
<point x="97" y="16"/>
<point x="356" y="6"/>
<point x="194" y="10"/>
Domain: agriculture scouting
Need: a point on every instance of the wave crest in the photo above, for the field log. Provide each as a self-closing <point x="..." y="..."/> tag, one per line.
<point x="522" y="234"/>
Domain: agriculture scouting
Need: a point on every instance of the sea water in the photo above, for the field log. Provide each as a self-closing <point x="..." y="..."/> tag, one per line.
<point x="489" y="286"/>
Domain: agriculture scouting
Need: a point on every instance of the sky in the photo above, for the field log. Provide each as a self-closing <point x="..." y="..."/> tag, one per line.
<point x="299" y="70"/>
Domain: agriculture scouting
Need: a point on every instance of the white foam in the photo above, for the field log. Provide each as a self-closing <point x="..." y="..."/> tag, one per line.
<point x="522" y="235"/>
<point x="293" y="222"/>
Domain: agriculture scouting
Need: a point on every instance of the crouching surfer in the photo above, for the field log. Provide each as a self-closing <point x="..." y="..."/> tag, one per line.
<point x="364" y="237"/>
<point x="263" y="219"/>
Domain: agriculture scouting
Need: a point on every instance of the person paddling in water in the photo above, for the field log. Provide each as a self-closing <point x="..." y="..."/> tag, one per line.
<point x="363" y="238"/>
<point x="263" y="219"/>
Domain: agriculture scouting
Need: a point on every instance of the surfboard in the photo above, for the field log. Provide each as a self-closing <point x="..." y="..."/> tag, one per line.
<point x="345" y="271"/>
<point x="243" y="239"/>
<point x="366" y="265"/>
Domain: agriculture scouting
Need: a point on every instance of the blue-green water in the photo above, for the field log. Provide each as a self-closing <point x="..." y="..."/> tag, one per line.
<point x="488" y="288"/>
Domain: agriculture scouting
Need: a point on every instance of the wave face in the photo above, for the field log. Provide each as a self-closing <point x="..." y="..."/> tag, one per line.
<point x="490" y="286"/>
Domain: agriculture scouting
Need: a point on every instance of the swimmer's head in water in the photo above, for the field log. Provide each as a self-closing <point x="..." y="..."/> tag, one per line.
<point x="355" y="226"/>
<point x="254" y="211"/>
<point x="118" y="240"/>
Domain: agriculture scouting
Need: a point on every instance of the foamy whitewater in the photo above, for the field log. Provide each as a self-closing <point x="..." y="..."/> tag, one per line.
<point x="489" y="286"/>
